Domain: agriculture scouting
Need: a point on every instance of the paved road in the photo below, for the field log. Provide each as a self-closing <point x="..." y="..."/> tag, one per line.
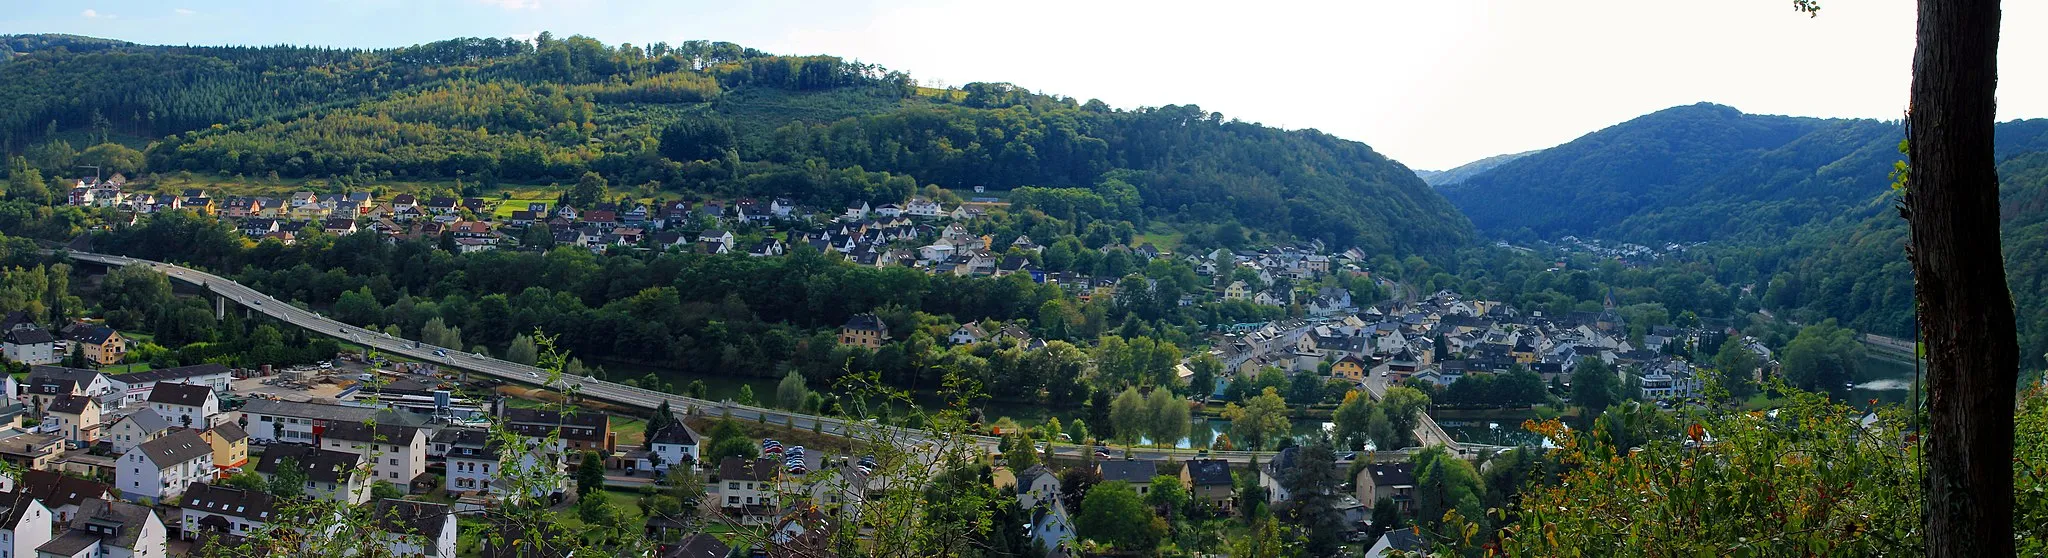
<point x="586" y="387"/>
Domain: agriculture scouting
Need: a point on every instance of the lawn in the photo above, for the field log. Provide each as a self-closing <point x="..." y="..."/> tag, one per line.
<point x="631" y="431"/>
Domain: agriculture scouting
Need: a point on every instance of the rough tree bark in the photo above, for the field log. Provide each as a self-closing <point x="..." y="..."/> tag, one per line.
<point x="1966" y="314"/>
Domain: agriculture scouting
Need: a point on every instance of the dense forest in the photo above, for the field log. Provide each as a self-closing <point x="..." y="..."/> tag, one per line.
<point x="698" y="118"/>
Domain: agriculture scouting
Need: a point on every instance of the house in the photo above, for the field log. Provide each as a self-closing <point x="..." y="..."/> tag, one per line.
<point x="77" y="417"/>
<point x="31" y="345"/>
<point x="1350" y="368"/>
<point x="1053" y="529"/>
<point x="1237" y="290"/>
<point x="591" y="431"/>
<point x="230" y="447"/>
<point x="411" y="528"/>
<point x="399" y="452"/>
<point x="441" y="205"/>
<point x="330" y="475"/>
<point x="160" y="469"/>
<point x="724" y="239"/>
<point x="474" y="461"/>
<point x="137" y="386"/>
<point x="25" y="525"/>
<point x="109" y="529"/>
<point x="63" y="494"/>
<point x="745" y="488"/>
<point x="186" y="405"/>
<point x="405" y="201"/>
<point x="855" y="212"/>
<point x="1272" y="472"/>
<point x="865" y="330"/>
<point x="670" y="446"/>
<point x="967" y="334"/>
<point x="766" y="248"/>
<point x="134" y="429"/>
<point x="1387" y="481"/>
<point x="920" y="207"/>
<point x="339" y="226"/>
<point x="1036" y="485"/>
<point x="102" y="344"/>
<point x="80" y="381"/>
<point x="31" y="451"/>
<point x="1136" y="473"/>
<point x="224" y="510"/>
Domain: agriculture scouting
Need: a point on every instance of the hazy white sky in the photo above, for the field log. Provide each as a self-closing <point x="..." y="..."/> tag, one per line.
<point x="1432" y="83"/>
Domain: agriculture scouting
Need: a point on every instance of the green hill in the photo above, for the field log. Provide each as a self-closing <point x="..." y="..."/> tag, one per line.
<point x="1700" y="172"/>
<point x="702" y="118"/>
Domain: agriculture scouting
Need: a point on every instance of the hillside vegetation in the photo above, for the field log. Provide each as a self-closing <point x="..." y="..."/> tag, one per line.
<point x="700" y="118"/>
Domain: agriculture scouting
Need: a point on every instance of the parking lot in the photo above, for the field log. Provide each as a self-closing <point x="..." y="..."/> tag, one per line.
<point x="303" y="384"/>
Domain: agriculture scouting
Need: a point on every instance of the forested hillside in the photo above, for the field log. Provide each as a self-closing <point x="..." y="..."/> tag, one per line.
<point x="1700" y="172"/>
<point x="698" y="119"/>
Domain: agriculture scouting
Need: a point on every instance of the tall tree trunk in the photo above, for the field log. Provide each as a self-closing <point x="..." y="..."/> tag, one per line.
<point x="1966" y="314"/>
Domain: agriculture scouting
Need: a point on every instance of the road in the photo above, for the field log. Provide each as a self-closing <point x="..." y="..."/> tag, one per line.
<point x="593" y="388"/>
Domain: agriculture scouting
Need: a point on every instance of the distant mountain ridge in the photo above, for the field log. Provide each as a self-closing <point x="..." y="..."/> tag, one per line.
<point x="1468" y="170"/>
<point x="1700" y="172"/>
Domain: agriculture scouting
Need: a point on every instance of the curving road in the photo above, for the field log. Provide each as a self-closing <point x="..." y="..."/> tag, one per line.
<point x="449" y="357"/>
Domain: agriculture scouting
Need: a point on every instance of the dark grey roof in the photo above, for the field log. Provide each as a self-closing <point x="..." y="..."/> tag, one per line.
<point x="128" y="518"/>
<point x="13" y="505"/>
<point x="734" y="468"/>
<point x="1130" y="471"/>
<point x="1209" y="472"/>
<point x="149" y="421"/>
<point x="1405" y="540"/>
<point x="385" y="433"/>
<point x="678" y="434"/>
<point x="864" y="322"/>
<point x="171" y="393"/>
<point x="410" y="517"/>
<point x="1392" y="474"/>
<point x="88" y="333"/>
<point x="56" y="490"/>
<point x="174" y="448"/>
<point x="462" y="436"/>
<point x="319" y="464"/>
<point x="49" y="386"/>
<point x="29" y="336"/>
<point x="178" y="373"/>
<point x="80" y="376"/>
<point x="227" y="500"/>
<point x="230" y="431"/>
<point x="72" y="543"/>
<point x="699" y="545"/>
<point x="332" y="413"/>
<point x="69" y="404"/>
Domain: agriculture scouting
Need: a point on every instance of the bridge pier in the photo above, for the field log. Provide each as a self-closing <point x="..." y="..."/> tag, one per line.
<point x="220" y="307"/>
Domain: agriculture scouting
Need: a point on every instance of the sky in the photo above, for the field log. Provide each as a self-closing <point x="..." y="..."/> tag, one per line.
<point x="1433" y="84"/>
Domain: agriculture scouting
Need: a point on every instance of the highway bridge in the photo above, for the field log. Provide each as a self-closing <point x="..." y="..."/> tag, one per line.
<point x="225" y="291"/>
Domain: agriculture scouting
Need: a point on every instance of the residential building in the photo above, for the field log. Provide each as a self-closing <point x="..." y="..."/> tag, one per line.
<point x="101" y="344"/>
<point x="967" y="334"/>
<point x="399" y="452"/>
<point x="672" y="446"/>
<point x="474" y="463"/>
<point x="134" y="429"/>
<point x="330" y="475"/>
<point x="62" y="493"/>
<point x="109" y="529"/>
<point x="1389" y="481"/>
<point x="36" y="452"/>
<point x="412" y="528"/>
<point x="185" y="405"/>
<point x="1272" y="472"/>
<point x="1136" y="473"/>
<point x="230" y="447"/>
<point x="224" y="510"/>
<point x="32" y="345"/>
<point x="84" y="381"/>
<point x="865" y="330"/>
<point x="77" y="417"/>
<point x="160" y="469"/>
<point x="1052" y="528"/>
<point x="1404" y="540"/>
<point x="1349" y="368"/>
<point x="1036" y="484"/>
<point x="137" y="386"/>
<point x="589" y="431"/>
<point x="746" y="489"/>
<point x="25" y="525"/>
